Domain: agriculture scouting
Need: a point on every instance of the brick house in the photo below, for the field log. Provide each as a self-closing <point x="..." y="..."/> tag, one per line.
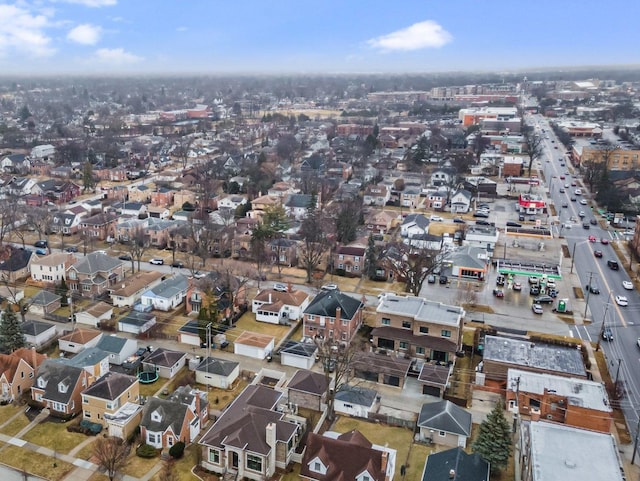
<point x="308" y="389"/>
<point x="17" y="372"/>
<point x="107" y="395"/>
<point x="94" y="274"/>
<point x="376" y="195"/>
<point x="99" y="226"/>
<point x="332" y="315"/>
<point x="349" y="259"/>
<point x="58" y="386"/>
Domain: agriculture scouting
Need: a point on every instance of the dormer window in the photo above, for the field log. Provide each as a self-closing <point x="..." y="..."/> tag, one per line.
<point x="63" y="387"/>
<point x="156" y="416"/>
<point x="42" y="382"/>
<point x="317" y="466"/>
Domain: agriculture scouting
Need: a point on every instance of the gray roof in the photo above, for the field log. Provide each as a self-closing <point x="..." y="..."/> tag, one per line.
<point x="309" y="381"/>
<point x="96" y="262"/>
<point x="299" y="200"/>
<point x="35" y="328"/>
<point x="170" y="287"/>
<point x="87" y="357"/>
<point x="467" y="467"/>
<point x="356" y="395"/>
<point x="57" y="374"/>
<point x="419" y="219"/>
<point x="136" y="318"/>
<point x="171" y="413"/>
<point x="219" y="367"/>
<point x="110" y="386"/>
<point x="164" y="357"/>
<point x="327" y="302"/>
<point x="303" y="349"/>
<point x="421" y="309"/>
<point x="563" y="453"/>
<point x="527" y="355"/>
<point x="445" y="416"/>
<point x="111" y="344"/>
<point x="44" y="298"/>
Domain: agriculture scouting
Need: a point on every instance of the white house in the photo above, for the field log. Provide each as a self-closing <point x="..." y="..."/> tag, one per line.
<point x="231" y="202"/>
<point x="278" y="307"/>
<point x="461" y="201"/>
<point x="51" y="268"/>
<point x="355" y="401"/>
<point x="119" y="348"/>
<point x="167" y="295"/>
<point x="251" y="344"/>
<point x="165" y="362"/>
<point x="130" y="290"/>
<point x="42" y="151"/>
<point x="414" y="224"/>
<point x="96" y="313"/>
<point x="79" y="340"/>
<point x="218" y="373"/>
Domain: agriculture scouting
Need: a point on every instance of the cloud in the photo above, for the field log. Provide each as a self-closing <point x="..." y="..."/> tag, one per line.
<point x="182" y="29"/>
<point x="22" y="31"/>
<point x="427" y="34"/>
<point x="116" y="56"/>
<point x="85" y="34"/>
<point x="93" y="3"/>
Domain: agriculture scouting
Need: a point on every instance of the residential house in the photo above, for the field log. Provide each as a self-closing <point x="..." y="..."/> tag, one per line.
<point x="65" y="223"/>
<point x="483" y="236"/>
<point x="130" y="290"/>
<point x="162" y="196"/>
<point x="139" y="194"/>
<point x="136" y="322"/>
<point x="278" y="307"/>
<point x="182" y="197"/>
<point x="572" y="401"/>
<point x="414" y="224"/>
<point x="217" y="373"/>
<point x="165" y="362"/>
<point x="349" y="260"/>
<point x="158" y="212"/>
<point x="167" y="295"/>
<point x="308" y="389"/>
<point x="469" y="262"/>
<point x="503" y="353"/>
<point x="283" y="252"/>
<point x="460" y="201"/>
<point x="180" y="417"/>
<point x="14" y="263"/>
<point x="44" y="302"/>
<point x="385" y="368"/>
<point x="51" y="268"/>
<point x="133" y="209"/>
<point x="58" y="387"/>
<point x="410" y="197"/>
<point x="17" y="372"/>
<point x="332" y="315"/>
<point x="355" y="401"/>
<point x="93" y="360"/>
<point x="119" y="348"/>
<point x="377" y="195"/>
<point x="15" y="163"/>
<point x="348" y="456"/>
<point x="282" y="190"/>
<point x="107" y="395"/>
<point x="556" y="451"/>
<point x="252" y="437"/>
<point x="95" y="314"/>
<point x="418" y="327"/>
<point x="78" y="340"/>
<point x="61" y="171"/>
<point x="100" y="226"/>
<point x="297" y="205"/>
<point x="381" y="222"/>
<point x="38" y="333"/>
<point x="125" y="421"/>
<point x="232" y="202"/>
<point x="444" y="423"/>
<point x="434" y="378"/>
<point x="59" y="191"/>
<point x="94" y="274"/>
<point x="158" y="232"/>
<point x="456" y="465"/>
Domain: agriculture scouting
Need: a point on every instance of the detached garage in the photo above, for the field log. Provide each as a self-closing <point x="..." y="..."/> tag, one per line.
<point x="298" y="354"/>
<point x="136" y="322"/>
<point x="251" y="344"/>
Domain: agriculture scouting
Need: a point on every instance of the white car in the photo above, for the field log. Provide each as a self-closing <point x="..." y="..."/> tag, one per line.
<point x="156" y="261"/>
<point x="578" y="192"/>
<point x="628" y="285"/>
<point x="622" y="301"/>
<point x="436" y="218"/>
<point x="583" y="201"/>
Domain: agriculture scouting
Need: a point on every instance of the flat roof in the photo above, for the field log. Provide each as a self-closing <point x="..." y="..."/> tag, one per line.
<point x="528" y="268"/>
<point x="421" y="309"/>
<point x="548" y="357"/>
<point x="579" y="392"/>
<point x="563" y="453"/>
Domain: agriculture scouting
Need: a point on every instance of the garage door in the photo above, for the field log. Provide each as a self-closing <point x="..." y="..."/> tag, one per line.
<point x="392" y="380"/>
<point x="431" y="391"/>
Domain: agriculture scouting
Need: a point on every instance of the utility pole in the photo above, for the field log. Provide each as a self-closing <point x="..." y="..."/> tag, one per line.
<point x="586" y="307"/>
<point x="604" y="317"/>
<point x="635" y="444"/>
<point x="573" y="256"/>
<point x="617" y="373"/>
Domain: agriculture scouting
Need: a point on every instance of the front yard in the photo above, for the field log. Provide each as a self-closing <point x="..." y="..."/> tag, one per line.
<point x="54" y="435"/>
<point x="35" y="463"/>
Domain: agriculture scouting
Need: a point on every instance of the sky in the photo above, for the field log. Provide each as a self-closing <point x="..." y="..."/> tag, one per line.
<point x="320" y="36"/>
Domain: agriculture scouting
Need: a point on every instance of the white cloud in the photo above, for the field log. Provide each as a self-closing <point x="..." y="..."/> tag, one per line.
<point x="427" y="34"/>
<point x="86" y="34"/>
<point x="116" y="56"/>
<point x="181" y="29"/>
<point x="22" y="31"/>
<point x="93" y="3"/>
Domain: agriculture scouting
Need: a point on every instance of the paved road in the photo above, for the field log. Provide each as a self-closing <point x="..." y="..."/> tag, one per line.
<point x="622" y="320"/>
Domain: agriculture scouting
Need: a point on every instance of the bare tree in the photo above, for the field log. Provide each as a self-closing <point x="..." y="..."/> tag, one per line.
<point x="534" y="142"/>
<point x="16" y="296"/>
<point x="412" y="264"/>
<point x="315" y="231"/>
<point x="137" y="245"/>
<point x="111" y="455"/>
<point x="168" y="471"/>
<point x="7" y="216"/>
<point x="40" y="219"/>
<point x="592" y="172"/>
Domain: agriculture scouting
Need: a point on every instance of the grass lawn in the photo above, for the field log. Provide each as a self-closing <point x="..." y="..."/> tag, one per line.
<point x="54" y="436"/>
<point x="30" y="291"/>
<point x="86" y="452"/>
<point x="397" y="438"/>
<point x="183" y="465"/>
<point x="97" y="476"/>
<point x="224" y="396"/>
<point x="6" y="412"/>
<point x="439" y="228"/>
<point x="248" y="323"/>
<point x="35" y="463"/>
<point x="15" y="426"/>
<point x="137" y="466"/>
<point x="415" y="462"/>
<point x="294" y="475"/>
<point x="147" y="390"/>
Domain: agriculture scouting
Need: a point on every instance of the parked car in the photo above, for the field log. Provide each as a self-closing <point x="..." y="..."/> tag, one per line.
<point x="156" y="261"/>
<point x="534" y="290"/>
<point x="431" y="279"/>
<point x="458" y="220"/>
<point x="43" y="244"/>
<point x="593" y="222"/>
<point x="435" y="218"/>
<point x="41" y="252"/>
<point x="607" y="334"/>
<point x="443" y="279"/>
<point x="484" y="215"/>
<point x="177" y="264"/>
<point x="124" y="257"/>
<point x="325" y="287"/>
<point x="200" y="275"/>
<point x="500" y="280"/>
<point x="483" y="222"/>
<point x="543" y="300"/>
<point x="537" y="309"/>
<point x="513" y="224"/>
<point x="517" y="286"/>
<point x="71" y="249"/>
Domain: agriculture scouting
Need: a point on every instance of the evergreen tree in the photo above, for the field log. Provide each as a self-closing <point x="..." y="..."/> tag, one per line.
<point x="493" y="443"/>
<point x="370" y="258"/>
<point x="11" y="334"/>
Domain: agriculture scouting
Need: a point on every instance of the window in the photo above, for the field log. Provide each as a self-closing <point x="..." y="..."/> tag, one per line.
<point x="419" y="350"/>
<point x="404" y="345"/>
<point x="316" y="467"/>
<point x="214" y="456"/>
<point x="39" y="397"/>
<point x="153" y="438"/>
<point x="442" y="434"/>
<point x="58" y="407"/>
<point x="386" y="322"/>
<point x="406" y="324"/>
<point x="424" y="330"/>
<point x="311" y="318"/>
<point x="87" y="415"/>
<point x="446" y="333"/>
<point x="254" y="463"/>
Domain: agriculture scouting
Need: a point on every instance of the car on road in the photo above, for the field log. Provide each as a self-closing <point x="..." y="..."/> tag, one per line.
<point x="638" y="342"/>
<point x="124" y="257"/>
<point x="613" y="264"/>
<point x="543" y="300"/>
<point x="573" y="199"/>
<point x="178" y="265"/>
<point x="583" y="201"/>
<point x="431" y="279"/>
<point x="156" y="261"/>
<point x="592" y="238"/>
<point x="607" y="334"/>
<point x="436" y="218"/>
<point x="565" y="205"/>
<point x="443" y="279"/>
<point x="604" y="241"/>
<point x="283" y="287"/>
<point x="562" y="191"/>
<point x="537" y="309"/>
<point x="585" y="225"/>
<point x="71" y="249"/>
<point x="593" y="289"/>
<point x="593" y="222"/>
<point x="581" y="214"/>
<point x="513" y="224"/>
<point x="566" y="186"/>
<point x="43" y="244"/>
<point x="573" y="184"/>
<point x="483" y="222"/>
<point x="628" y="285"/>
<point x="484" y="215"/>
<point x="597" y="253"/>
<point x="622" y="301"/>
<point x="562" y="177"/>
<point x="199" y="275"/>
<point x="458" y="220"/>
<point x="577" y="192"/>
<point x="517" y="286"/>
<point x="498" y="292"/>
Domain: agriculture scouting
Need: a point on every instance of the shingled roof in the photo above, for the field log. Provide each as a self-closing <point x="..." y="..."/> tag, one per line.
<point x="326" y="303"/>
<point x="111" y="386"/>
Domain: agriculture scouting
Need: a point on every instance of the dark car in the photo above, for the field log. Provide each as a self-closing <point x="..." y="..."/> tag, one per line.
<point x="597" y="253"/>
<point x="585" y="225"/>
<point x="513" y="224"/>
<point x="593" y="289"/>
<point x="484" y="215"/>
<point x="534" y="290"/>
<point x="613" y="265"/>
<point x="458" y="220"/>
<point x="483" y="222"/>
<point x="443" y="279"/>
<point x="573" y="199"/>
<point x="593" y="222"/>
<point x="607" y="334"/>
<point x="500" y="280"/>
<point x="543" y="300"/>
<point x="71" y="249"/>
<point x="178" y="265"/>
<point x="43" y="244"/>
<point x="124" y="257"/>
<point x="521" y="217"/>
<point x="498" y="292"/>
<point x="431" y="279"/>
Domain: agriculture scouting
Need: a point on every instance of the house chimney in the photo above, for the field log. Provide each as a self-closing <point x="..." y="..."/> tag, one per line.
<point x="452" y="474"/>
<point x="289" y="287"/>
<point x="34" y="358"/>
<point x="270" y="438"/>
<point x="384" y="461"/>
<point x="338" y="315"/>
<point x="269" y="298"/>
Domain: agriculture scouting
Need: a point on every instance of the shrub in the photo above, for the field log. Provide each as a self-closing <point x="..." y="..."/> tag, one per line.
<point x="146" y="451"/>
<point x="177" y="450"/>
